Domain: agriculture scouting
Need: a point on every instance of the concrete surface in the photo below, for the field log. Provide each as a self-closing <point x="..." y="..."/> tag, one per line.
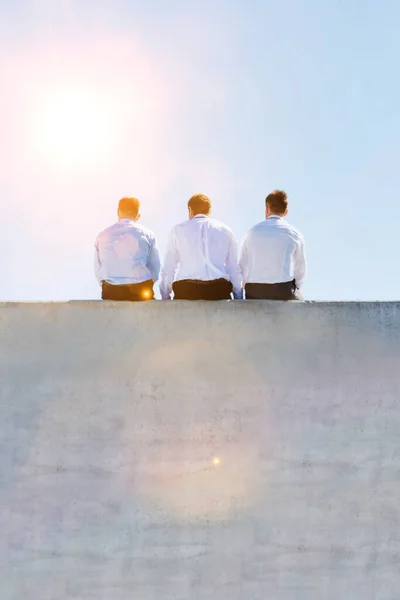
<point x="190" y="451"/>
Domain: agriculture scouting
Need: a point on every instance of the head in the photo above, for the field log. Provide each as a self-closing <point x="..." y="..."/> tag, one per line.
<point x="276" y="203"/>
<point x="128" y="208"/>
<point x="199" y="204"/>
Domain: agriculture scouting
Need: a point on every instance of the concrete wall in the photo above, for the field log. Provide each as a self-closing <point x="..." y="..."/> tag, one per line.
<point x="189" y="451"/>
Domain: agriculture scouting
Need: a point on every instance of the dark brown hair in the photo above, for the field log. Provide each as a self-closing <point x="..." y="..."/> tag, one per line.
<point x="277" y="202"/>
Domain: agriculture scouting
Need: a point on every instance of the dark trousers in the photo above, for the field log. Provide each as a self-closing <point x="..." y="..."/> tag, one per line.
<point x="273" y="291"/>
<point x="131" y="292"/>
<point x="193" y="289"/>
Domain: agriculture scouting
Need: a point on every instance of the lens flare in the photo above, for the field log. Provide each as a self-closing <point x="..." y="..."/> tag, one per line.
<point x="74" y="127"/>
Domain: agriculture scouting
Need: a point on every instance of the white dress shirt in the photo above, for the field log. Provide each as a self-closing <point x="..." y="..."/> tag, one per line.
<point x="203" y="249"/>
<point x="126" y="253"/>
<point x="273" y="252"/>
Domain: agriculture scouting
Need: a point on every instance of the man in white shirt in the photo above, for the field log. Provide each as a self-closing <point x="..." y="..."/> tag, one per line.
<point x="272" y="256"/>
<point x="127" y="263"/>
<point x="201" y="261"/>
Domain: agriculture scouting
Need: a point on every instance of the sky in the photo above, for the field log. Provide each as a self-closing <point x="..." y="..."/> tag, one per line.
<point x="101" y="99"/>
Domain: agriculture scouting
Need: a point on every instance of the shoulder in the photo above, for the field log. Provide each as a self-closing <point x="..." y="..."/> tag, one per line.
<point x="182" y="225"/>
<point x="176" y="229"/>
<point x="145" y="231"/>
<point x="215" y="224"/>
<point x="294" y="231"/>
<point x="256" y="229"/>
<point x="105" y="233"/>
<point x="259" y="226"/>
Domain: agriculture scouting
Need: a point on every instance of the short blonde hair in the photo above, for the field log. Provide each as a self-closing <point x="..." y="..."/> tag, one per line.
<point x="129" y="206"/>
<point x="200" y="204"/>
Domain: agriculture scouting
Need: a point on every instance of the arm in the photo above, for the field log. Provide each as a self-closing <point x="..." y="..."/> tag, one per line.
<point x="300" y="265"/>
<point x="97" y="263"/>
<point x="153" y="260"/>
<point x="244" y="260"/>
<point x="233" y="269"/>
<point x="171" y="262"/>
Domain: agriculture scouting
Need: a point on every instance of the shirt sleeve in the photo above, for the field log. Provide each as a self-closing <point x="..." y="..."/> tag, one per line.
<point x="233" y="269"/>
<point x="244" y="260"/>
<point x="153" y="261"/>
<point x="171" y="261"/>
<point x="300" y="265"/>
<point x="97" y="262"/>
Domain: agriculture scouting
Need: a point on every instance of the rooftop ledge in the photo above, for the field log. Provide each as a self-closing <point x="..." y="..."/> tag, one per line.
<point x="180" y="303"/>
<point x="248" y="318"/>
<point x="203" y="313"/>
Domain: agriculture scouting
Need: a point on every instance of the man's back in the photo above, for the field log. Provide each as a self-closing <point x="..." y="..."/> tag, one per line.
<point x="126" y="254"/>
<point x="200" y="249"/>
<point x="273" y="252"/>
<point x="203" y="246"/>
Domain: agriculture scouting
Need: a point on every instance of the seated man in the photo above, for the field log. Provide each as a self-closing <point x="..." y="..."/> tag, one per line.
<point x="201" y="261"/>
<point x="127" y="263"/>
<point x="272" y="257"/>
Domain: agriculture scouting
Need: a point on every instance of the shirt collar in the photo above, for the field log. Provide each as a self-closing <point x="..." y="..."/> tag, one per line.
<point x="126" y="221"/>
<point x="200" y="216"/>
<point x="274" y="217"/>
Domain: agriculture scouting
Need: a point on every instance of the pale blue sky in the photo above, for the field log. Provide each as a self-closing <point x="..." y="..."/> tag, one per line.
<point x="231" y="99"/>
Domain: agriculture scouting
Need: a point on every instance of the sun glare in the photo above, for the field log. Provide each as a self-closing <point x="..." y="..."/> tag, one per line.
<point x="75" y="128"/>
